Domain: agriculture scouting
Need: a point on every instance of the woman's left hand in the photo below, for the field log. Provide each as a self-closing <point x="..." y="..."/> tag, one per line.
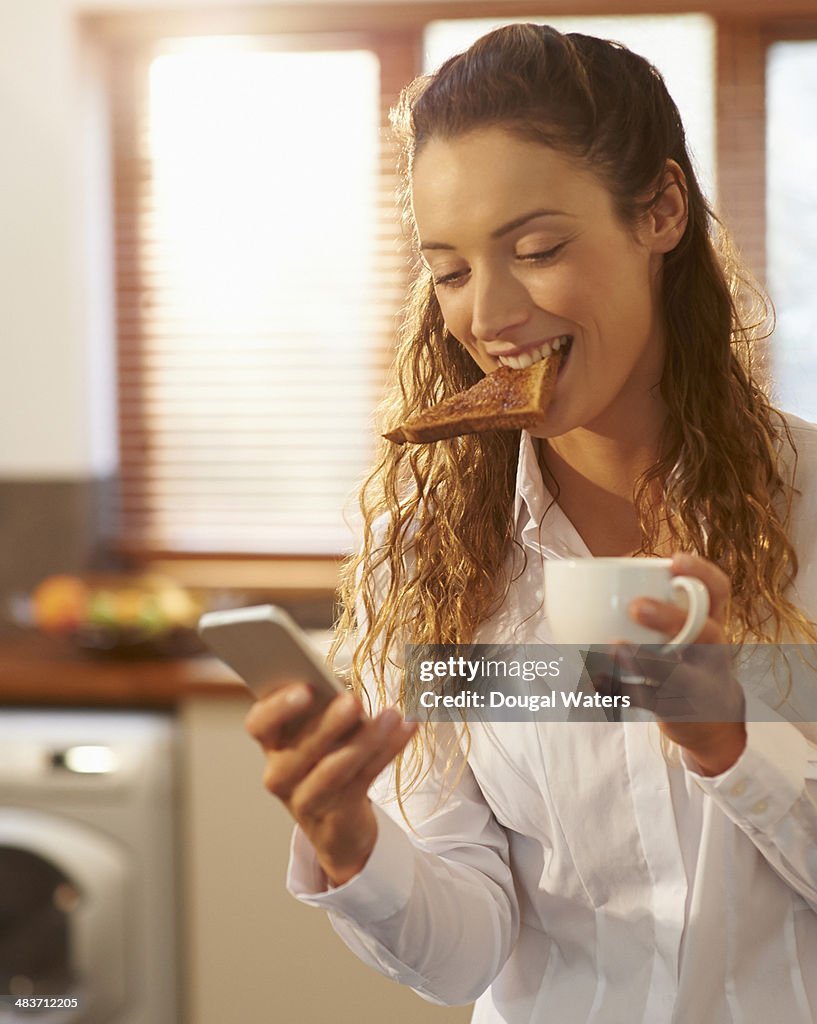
<point x="693" y="693"/>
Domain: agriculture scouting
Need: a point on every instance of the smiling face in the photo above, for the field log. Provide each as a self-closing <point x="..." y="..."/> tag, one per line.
<point x="525" y="249"/>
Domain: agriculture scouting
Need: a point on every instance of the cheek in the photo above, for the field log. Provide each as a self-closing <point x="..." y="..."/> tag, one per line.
<point x="609" y="293"/>
<point x="567" y="291"/>
<point x="452" y="314"/>
<point x="624" y="279"/>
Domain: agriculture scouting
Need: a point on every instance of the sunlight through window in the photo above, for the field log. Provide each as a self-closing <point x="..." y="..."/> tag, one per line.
<point x="258" y="318"/>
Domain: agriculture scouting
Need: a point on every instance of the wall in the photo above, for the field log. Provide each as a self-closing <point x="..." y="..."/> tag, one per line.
<point x="54" y="389"/>
<point x="57" y="436"/>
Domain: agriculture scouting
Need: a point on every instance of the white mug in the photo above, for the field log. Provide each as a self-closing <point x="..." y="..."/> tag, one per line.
<point x="586" y="600"/>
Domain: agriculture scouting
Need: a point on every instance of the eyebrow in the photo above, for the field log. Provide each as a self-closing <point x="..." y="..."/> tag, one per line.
<point x="517" y="222"/>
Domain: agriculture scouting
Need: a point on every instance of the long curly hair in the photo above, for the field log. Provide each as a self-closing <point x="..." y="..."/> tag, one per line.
<point x="438" y="518"/>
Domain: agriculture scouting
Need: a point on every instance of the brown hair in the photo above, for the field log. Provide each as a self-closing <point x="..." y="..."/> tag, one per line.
<point x="435" y="564"/>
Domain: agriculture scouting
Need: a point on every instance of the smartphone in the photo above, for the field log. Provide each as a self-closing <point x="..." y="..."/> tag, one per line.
<point x="268" y="650"/>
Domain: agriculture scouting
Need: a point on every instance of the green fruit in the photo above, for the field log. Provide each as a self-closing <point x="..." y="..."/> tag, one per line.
<point x="102" y="609"/>
<point x="150" y="616"/>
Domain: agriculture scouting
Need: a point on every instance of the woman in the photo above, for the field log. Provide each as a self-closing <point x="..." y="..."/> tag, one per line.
<point x="568" y="873"/>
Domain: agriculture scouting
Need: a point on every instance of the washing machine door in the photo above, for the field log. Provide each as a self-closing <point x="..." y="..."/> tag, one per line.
<point x="62" y="914"/>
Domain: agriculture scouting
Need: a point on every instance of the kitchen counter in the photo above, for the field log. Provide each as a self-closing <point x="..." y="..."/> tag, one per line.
<point x="34" y="672"/>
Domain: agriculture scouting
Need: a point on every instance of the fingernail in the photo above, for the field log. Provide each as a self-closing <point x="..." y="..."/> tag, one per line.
<point x="682" y="561"/>
<point x="299" y="698"/>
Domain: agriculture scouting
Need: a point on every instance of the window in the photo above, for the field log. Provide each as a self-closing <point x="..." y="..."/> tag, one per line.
<point x="791" y="153"/>
<point x="257" y="271"/>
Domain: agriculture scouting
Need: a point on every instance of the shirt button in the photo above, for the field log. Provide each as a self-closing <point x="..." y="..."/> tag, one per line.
<point x="760" y="807"/>
<point x="738" y="789"/>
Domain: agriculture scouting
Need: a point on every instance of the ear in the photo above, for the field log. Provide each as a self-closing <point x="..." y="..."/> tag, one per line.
<point x="667" y="219"/>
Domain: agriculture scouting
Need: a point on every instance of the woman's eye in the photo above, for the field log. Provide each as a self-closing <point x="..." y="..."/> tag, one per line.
<point x="457" y="278"/>
<point x="542" y="257"/>
<point x="452" y="280"/>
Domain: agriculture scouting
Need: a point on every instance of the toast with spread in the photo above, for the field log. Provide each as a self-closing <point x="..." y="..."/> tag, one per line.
<point x="506" y="399"/>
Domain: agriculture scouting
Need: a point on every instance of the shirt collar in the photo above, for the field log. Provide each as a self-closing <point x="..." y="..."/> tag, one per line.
<point x="540" y="522"/>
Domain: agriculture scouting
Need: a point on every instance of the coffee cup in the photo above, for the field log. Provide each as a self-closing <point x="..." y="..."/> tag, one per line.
<point x="587" y="600"/>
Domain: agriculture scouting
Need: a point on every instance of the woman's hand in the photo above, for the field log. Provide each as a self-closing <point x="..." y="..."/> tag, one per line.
<point x="321" y="768"/>
<point x="695" y="697"/>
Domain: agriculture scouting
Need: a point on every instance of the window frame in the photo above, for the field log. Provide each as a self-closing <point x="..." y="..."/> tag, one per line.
<point x="399" y="55"/>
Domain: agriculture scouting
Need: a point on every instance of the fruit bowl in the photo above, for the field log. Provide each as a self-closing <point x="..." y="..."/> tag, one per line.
<point x="127" y="618"/>
<point x="131" y="644"/>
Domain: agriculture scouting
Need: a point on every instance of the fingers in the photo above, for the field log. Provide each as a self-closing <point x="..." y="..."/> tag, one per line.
<point x="680" y="668"/>
<point x="280" y="721"/>
<point x="696" y="685"/>
<point x="356" y="764"/>
<point x="270" y="716"/>
<point x="669" y="619"/>
<point x="396" y="742"/>
<point x="674" y="706"/>
<point x="332" y="748"/>
<point x="290" y="758"/>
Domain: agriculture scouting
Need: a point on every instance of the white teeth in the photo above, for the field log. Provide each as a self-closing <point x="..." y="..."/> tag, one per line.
<point x="529" y="358"/>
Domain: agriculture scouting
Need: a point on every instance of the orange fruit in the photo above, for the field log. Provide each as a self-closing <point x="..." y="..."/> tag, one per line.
<point x="60" y="603"/>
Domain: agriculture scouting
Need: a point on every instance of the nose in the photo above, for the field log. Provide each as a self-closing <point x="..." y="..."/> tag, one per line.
<point x="501" y="303"/>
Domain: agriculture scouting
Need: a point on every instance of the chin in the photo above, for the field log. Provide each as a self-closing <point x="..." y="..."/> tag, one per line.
<point x="543" y="433"/>
<point x="557" y="421"/>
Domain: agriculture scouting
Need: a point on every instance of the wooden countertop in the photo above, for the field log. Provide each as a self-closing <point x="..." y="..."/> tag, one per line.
<point x="35" y="672"/>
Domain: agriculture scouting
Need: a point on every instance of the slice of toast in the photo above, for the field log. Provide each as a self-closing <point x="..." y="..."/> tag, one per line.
<point x="503" y="400"/>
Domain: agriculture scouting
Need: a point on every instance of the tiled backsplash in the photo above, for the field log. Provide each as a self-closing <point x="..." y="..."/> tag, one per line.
<point x="51" y="526"/>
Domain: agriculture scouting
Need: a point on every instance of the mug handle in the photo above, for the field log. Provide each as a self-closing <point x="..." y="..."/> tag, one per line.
<point x="698" y="597"/>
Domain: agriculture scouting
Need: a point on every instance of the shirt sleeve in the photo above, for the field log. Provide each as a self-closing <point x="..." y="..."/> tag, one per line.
<point x="434" y="909"/>
<point x="770" y="793"/>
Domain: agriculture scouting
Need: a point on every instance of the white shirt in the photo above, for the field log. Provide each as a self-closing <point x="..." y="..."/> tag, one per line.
<point x="574" y="876"/>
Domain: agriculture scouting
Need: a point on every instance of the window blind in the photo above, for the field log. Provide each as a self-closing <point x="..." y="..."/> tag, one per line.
<point x="260" y="269"/>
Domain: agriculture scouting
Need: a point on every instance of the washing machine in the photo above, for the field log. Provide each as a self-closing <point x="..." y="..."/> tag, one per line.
<point x="88" y="890"/>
